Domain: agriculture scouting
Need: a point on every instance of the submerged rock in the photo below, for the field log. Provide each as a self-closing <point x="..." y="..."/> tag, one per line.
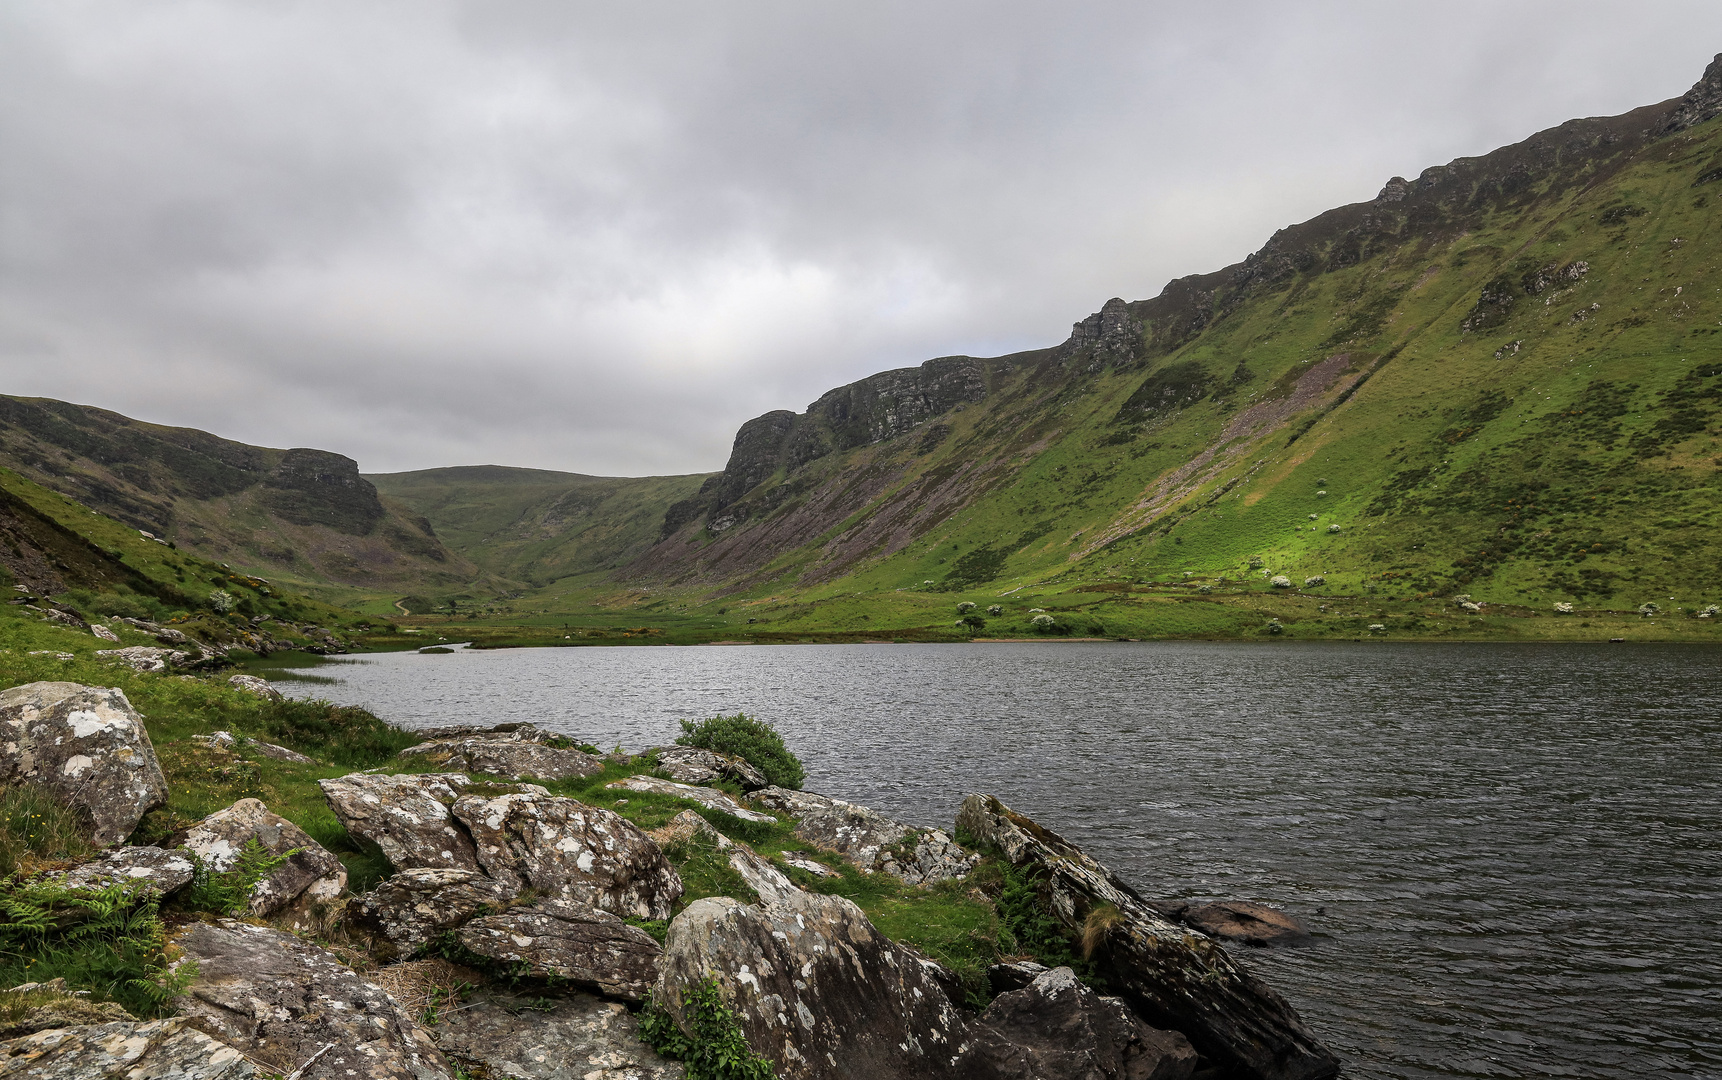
<point x="312" y="875"/>
<point x="692" y="765"/>
<point x="413" y="906"/>
<point x="164" y="871"/>
<point x="293" y="1006"/>
<point x="1057" y="1027"/>
<point x="123" y="1048"/>
<point x="567" y="850"/>
<point x="554" y="938"/>
<point x="577" y="1037"/>
<point x="710" y="798"/>
<point x="88" y="747"/>
<point x="1172" y="978"/>
<point x="1251" y="924"/>
<point x="407" y="816"/>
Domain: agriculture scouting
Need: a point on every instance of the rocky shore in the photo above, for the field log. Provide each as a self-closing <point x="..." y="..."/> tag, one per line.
<point x="528" y="934"/>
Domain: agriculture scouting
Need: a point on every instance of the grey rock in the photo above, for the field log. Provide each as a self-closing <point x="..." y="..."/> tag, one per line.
<point x="251" y="684"/>
<point x="688" y="826"/>
<point x="87" y="746"/>
<point x="1242" y="921"/>
<point x="291" y="1005"/>
<point x="147" y="657"/>
<point x="1171" y="977"/>
<point x="164" y="871"/>
<point x="1701" y="102"/>
<point x="1056" y="1027"/>
<point x="131" y="1049"/>
<point x="710" y="798"/>
<point x="226" y="740"/>
<point x="413" y="906"/>
<point x="519" y="730"/>
<point x="792" y="802"/>
<point x="592" y="948"/>
<point x="65" y="618"/>
<point x="104" y="633"/>
<point x="310" y="877"/>
<point x="1014" y="975"/>
<point x="869" y="839"/>
<point x="691" y="765"/>
<point x="507" y="755"/>
<point x="579" y="1037"/>
<point x="567" y="850"/>
<point x="407" y="816"/>
<point x="932" y="856"/>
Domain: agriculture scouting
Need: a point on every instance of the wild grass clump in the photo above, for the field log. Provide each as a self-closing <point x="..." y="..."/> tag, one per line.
<point x="753" y="740"/>
<point x="110" y="942"/>
<point x="34" y="828"/>
<point x="340" y="734"/>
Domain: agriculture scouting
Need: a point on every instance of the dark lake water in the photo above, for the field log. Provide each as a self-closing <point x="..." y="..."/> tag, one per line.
<point x="1512" y="855"/>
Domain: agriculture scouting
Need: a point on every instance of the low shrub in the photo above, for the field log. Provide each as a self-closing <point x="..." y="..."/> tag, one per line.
<point x="754" y="740"/>
<point x="339" y="734"/>
<point x="110" y="942"/>
<point x="714" y="1047"/>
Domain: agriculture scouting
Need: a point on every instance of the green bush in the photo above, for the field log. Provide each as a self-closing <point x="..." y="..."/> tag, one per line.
<point x="753" y="740"/>
<point x="714" y="1047"/>
<point x="108" y="941"/>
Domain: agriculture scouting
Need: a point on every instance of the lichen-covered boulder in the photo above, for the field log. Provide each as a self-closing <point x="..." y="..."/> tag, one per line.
<point x="591" y="948"/>
<point x="413" y="906"/>
<point x="792" y="802"/>
<point x="228" y="742"/>
<point x="1057" y="1027"/>
<point x="166" y="872"/>
<point x="124" y="1048"/>
<point x="692" y="765"/>
<point x="312" y="875"/>
<point x="1171" y="977"/>
<point x="574" y="1037"/>
<point x="566" y="850"/>
<point x="874" y="842"/>
<point x="147" y="657"/>
<point x="1242" y="921"/>
<point x="293" y="1006"/>
<point x="407" y="816"/>
<point x="88" y="747"/>
<point x="251" y="684"/>
<point x="524" y="753"/>
<point x="816" y="988"/>
<point x="710" y="798"/>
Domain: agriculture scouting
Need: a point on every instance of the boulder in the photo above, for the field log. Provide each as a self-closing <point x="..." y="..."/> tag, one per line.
<point x="1057" y="1027"/>
<point x="710" y="798"/>
<point x="574" y="1037"/>
<point x="293" y="1006"/>
<point x="517" y="754"/>
<point x="412" y="907"/>
<point x="1251" y="924"/>
<point x="1172" y="978"/>
<point x="1014" y="975"/>
<point x="874" y="842"/>
<point x="816" y="988"/>
<point x="566" y="850"/>
<point x="311" y="875"/>
<point x="104" y="633"/>
<point x="792" y="802"/>
<point x="88" y="747"/>
<point x="692" y="765"/>
<point x="147" y="657"/>
<point x="929" y="857"/>
<point x="251" y="684"/>
<point x="225" y="740"/>
<point x="592" y="948"/>
<point x="407" y="816"/>
<point x="125" y="1048"/>
<point x="164" y="871"/>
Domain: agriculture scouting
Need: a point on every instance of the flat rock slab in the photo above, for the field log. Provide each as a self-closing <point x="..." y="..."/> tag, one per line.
<point x="792" y="802"/>
<point x="579" y="1038"/>
<point x="413" y="906"/>
<point x="155" y="868"/>
<point x="1250" y="924"/>
<point x="147" y="657"/>
<point x="692" y="765"/>
<point x="86" y="745"/>
<point x="407" y="816"/>
<point x="567" y="850"/>
<point x="311" y="875"/>
<point x="291" y="1005"/>
<point x="1057" y="1027"/>
<point x="710" y="798"/>
<point x="130" y="1049"/>
<point x="517" y="759"/>
<point x="592" y="948"/>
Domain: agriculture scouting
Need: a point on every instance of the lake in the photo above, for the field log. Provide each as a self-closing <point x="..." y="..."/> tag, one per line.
<point x="1511" y="855"/>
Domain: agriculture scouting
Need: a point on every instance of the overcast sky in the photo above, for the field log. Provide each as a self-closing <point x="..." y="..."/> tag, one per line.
<point x="598" y="237"/>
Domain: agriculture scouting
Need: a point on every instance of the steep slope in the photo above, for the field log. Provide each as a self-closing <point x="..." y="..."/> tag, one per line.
<point x="536" y="526"/>
<point x="300" y="515"/>
<point x="1500" y="378"/>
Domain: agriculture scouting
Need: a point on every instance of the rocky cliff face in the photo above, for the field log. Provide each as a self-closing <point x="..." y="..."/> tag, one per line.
<point x="315" y="487"/>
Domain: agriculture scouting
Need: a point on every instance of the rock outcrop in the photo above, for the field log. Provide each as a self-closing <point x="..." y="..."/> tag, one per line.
<point x="869" y="839"/>
<point x="554" y="938"/>
<point x="87" y="746"/>
<point x="710" y="798"/>
<point x="578" y="1037"/>
<point x="312" y="875"/>
<point x="251" y="684"/>
<point x="1173" y="978"/>
<point x="155" y="868"/>
<point x="407" y="816"/>
<point x="1057" y="1027"/>
<point x="124" y="1048"/>
<point x="413" y="906"/>
<point x="692" y="765"/>
<point x="293" y="1006"/>
<point x="566" y="850"/>
<point x="520" y="753"/>
<point x="148" y="657"/>
<point x="227" y="741"/>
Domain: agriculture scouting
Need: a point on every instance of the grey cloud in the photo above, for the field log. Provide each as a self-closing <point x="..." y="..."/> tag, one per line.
<point x="598" y="237"/>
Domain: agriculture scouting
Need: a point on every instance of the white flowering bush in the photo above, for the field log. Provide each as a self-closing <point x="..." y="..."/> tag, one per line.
<point x="965" y="607"/>
<point x="1275" y="627"/>
<point x="1042" y="622"/>
<point x="1647" y="610"/>
<point x="222" y="601"/>
<point x="996" y="610"/>
<point x="1280" y="581"/>
<point x="1563" y="609"/>
<point x="1710" y="612"/>
<point x="1312" y="582"/>
<point x="1333" y="528"/>
<point x="1377" y="628"/>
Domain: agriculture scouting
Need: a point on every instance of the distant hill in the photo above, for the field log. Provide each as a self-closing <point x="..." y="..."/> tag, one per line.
<point x="1499" y="378"/>
<point x="535" y="526"/>
<point x="300" y="515"/>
